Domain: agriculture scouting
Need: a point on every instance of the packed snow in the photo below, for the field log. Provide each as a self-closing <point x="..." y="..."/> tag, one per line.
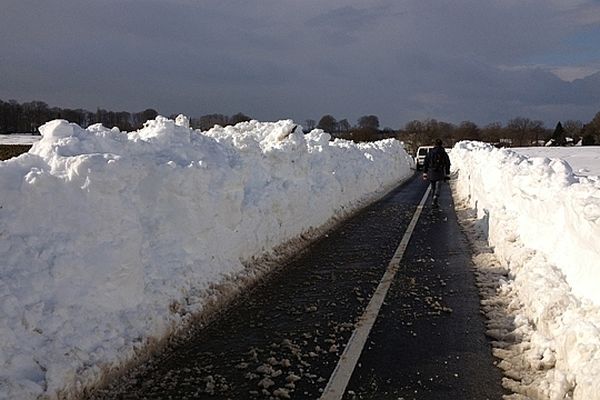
<point x="542" y="225"/>
<point x="111" y="240"/>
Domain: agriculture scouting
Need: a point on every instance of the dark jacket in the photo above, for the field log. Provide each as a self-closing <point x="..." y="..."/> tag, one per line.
<point x="437" y="174"/>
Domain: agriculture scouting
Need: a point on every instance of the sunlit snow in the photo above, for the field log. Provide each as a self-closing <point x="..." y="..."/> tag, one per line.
<point x="543" y="223"/>
<point x="112" y="238"/>
<point x="19" y="138"/>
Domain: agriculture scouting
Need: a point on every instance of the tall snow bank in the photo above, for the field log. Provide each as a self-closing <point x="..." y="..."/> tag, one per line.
<point x="109" y="237"/>
<point x="554" y="211"/>
<point x="544" y="225"/>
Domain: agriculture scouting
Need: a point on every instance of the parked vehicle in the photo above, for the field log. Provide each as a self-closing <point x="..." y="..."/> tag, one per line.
<point x="420" y="156"/>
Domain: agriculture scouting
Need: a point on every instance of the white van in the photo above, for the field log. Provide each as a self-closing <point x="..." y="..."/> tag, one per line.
<point x="420" y="156"/>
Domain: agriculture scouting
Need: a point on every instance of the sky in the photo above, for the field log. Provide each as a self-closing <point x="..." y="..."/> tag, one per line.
<point x="484" y="61"/>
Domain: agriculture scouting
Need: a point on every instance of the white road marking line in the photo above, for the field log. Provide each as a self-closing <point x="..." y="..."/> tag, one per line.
<point x="345" y="367"/>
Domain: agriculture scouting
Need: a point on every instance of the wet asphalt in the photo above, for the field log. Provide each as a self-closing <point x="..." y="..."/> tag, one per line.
<point x="284" y="338"/>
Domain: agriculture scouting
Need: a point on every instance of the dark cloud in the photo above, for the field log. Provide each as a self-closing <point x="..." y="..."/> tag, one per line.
<point x="458" y="60"/>
<point x="345" y="25"/>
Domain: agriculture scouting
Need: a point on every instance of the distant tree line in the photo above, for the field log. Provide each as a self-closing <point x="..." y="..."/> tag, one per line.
<point x="26" y="117"/>
<point x="366" y="128"/>
<point x="208" y="121"/>
<point x="519" y="131"/>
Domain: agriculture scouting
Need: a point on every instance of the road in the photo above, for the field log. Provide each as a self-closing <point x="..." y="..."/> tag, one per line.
<point x="284" y="338"/>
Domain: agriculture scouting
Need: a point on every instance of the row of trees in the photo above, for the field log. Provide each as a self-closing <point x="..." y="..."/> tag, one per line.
<point x="27" y="117"/>
<point x="519" y="131"/>
<point x="366" y="128"/>
<point x="206" y="122"/>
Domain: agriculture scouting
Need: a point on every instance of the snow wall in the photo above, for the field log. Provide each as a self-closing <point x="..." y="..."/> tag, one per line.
<point x="555" y="212"/>
<point x="110" y="238"/>
<point x="543" y="222"/>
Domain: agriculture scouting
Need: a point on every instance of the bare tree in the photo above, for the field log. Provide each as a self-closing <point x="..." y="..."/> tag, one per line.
<point x="436" y="130"/>
<point x="467" y="130"/>
<point x="539" y="133"/>
<point x="368" y="122"/>
<point x="524" y="130"/>
<point x="492" y="132"/>
<point x="420" y="133"/>
<point x="573" y="129"/>
<point x="344" y="126"/>
<point x="328" y="123"/>
<point x="239" y="117"/>
<point x="210" y="120"/>
<point x="310" y="124"/>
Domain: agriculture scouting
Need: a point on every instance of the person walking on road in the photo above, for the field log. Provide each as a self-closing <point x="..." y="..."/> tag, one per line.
<point x="436" y="168"/>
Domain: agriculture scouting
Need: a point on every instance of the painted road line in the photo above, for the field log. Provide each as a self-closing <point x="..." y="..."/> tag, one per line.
<point x="345" y="367"/>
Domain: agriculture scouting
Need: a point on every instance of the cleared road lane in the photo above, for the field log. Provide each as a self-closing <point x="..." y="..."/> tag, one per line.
<point x="284" y="338"/>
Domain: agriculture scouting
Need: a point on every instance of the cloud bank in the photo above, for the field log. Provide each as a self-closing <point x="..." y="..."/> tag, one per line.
<point x="451" y="60"/>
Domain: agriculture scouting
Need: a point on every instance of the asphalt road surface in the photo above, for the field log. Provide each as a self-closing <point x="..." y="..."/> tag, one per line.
<point x="284" y="338"/>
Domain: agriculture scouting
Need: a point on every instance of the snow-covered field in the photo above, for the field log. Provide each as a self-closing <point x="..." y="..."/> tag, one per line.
<point x="543" y="223"/>
<point x="584" y="160"/>
<point x="111" y="240"/>
<point x="19" y="138"/>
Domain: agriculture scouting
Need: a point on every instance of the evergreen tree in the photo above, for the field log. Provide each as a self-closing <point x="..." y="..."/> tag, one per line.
<point x="558" y="137"/>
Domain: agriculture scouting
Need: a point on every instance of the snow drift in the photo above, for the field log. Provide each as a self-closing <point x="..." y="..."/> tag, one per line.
<point x="543" y="223"/>
<point x="110" y="238"/>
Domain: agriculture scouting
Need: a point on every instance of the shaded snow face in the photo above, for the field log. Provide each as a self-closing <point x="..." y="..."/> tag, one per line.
<point x="543" y="224"/>
<point x="110" y="237"/>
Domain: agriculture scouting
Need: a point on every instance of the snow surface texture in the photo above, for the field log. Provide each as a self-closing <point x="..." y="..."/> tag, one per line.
<point x="19" y="138"/>
<point x="585" y="160"/>
<point x="543" y="224"/>
<point x="111" y="238"/>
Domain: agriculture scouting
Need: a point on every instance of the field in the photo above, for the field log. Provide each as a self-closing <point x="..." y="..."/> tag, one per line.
<point x="12" y="150"/>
